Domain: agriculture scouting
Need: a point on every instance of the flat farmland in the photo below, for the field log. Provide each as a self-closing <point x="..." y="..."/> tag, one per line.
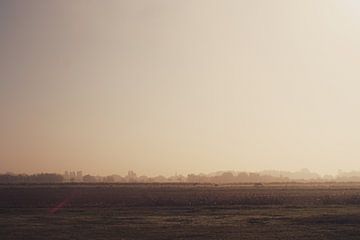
<point x="180" y="211"/>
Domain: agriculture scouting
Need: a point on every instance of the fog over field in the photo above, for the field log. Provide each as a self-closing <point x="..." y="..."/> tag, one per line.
<point x="220" y="177"/>
<point x="179" y="119"/>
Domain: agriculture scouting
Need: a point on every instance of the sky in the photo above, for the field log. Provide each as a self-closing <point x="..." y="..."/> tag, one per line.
<point x="179" y="86"/>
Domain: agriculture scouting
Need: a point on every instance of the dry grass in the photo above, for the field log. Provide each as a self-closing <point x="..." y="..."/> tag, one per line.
<point x="158" y="211"/>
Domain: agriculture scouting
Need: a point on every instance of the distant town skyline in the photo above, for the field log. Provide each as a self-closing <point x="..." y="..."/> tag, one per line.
<point x="221" y="177"/>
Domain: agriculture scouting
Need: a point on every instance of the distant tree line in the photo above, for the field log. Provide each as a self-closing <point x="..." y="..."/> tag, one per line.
<point x="34" y="178"/>
<point x="225" y="177"/>
<point x="230" y="177"/>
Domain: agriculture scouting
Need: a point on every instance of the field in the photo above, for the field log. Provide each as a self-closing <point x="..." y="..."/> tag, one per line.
<point x="180" y="211"/>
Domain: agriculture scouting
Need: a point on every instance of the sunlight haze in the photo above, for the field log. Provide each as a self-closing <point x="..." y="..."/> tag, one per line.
<point x="165" y="87"/>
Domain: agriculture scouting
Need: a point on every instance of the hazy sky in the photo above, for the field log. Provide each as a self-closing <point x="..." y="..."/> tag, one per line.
<point x="179" y="86"/>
